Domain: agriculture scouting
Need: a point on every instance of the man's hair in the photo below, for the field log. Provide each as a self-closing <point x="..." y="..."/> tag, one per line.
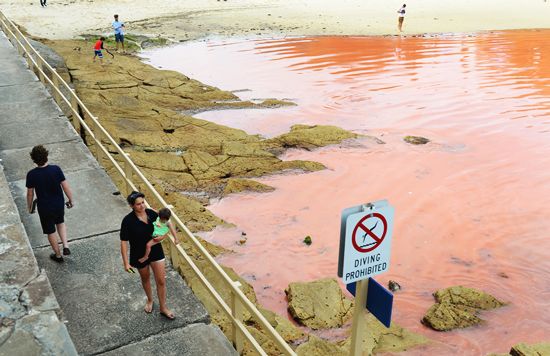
<point x="39" y="155"/>
<point x="165" y="213"/>
<point x="116" y="16"/>
<point x="404" y="5"/>
<point x="102" y="38"/>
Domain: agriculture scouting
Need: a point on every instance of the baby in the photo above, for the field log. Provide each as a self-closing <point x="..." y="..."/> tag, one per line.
<point x="162" y="227"/>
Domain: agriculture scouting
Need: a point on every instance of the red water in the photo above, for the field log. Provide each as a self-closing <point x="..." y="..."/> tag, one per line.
<point x="471" y="208"/>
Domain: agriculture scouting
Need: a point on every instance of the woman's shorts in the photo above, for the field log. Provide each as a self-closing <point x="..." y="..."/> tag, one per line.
<point x="157" y="254"/>
<point x="48" y="219"/>
<point x="119" y="37"/>
<point x="98" y="53"/>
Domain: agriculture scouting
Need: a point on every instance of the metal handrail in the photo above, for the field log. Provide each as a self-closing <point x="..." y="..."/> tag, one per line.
<point x="128" y="172"/>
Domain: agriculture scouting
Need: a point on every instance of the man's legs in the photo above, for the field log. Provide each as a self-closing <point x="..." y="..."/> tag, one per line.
<point x="145" y="275"/>
<point x="62" y="231"/>
<point x="52" y="238"/>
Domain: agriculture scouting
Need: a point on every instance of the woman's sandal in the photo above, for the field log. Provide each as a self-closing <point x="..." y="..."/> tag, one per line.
<point x="170" y="316"/>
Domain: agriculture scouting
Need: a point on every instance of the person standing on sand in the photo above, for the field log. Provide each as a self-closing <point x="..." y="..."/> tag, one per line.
<point x="401" y="13"/>
<point x="119" y="33"/>
<point x="49" y="183"/>
<point x="43" y="3"/>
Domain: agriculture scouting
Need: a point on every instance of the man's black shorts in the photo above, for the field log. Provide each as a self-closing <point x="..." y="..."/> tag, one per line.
<point x="50" y="218"/>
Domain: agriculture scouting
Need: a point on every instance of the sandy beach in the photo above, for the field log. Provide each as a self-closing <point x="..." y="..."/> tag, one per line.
<point x="187" y="19"/>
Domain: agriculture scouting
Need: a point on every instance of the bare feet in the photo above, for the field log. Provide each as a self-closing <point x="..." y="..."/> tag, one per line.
<point x="148" y="307"/>
<point x="167" y="313"/>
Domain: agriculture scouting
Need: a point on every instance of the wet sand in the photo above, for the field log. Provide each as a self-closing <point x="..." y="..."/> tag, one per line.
<point x="471" y="207"/>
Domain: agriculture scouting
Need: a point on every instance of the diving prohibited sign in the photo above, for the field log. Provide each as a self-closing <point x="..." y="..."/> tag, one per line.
<point x="365" y="241"/>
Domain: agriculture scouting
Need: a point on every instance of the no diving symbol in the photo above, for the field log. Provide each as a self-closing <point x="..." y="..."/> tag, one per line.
<point x="369" y="232"/>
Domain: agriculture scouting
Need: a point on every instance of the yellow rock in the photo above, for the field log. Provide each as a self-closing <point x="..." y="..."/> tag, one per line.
<point x="318" y="304"/>
<point x="523" y="349"/>
<point x="457" y="307"/>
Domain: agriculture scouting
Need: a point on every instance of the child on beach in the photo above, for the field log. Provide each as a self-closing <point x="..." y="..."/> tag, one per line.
<point x="97" y="49"/>
<point x="161" y="228"/>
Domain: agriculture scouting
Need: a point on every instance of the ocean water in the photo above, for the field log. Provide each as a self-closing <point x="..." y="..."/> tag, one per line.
<point x="471" y="207"/>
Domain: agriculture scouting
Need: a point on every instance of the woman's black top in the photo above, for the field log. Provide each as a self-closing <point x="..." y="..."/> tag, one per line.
<point x="138" y="233"/>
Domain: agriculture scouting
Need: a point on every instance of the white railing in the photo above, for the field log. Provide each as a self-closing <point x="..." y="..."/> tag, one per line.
<point x="85" y="121"/>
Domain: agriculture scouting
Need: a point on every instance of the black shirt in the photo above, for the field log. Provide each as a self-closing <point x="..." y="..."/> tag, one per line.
<point x="46" y="182"/>
<point x="138" y="233"/>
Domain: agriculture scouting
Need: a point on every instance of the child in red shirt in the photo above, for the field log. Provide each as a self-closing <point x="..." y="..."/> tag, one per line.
<point x="97" y="49"/>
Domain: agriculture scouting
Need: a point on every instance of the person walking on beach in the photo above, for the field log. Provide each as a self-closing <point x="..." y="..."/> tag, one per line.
<point x="136" y="230"/>
<point x="43" y="3"/>
<point x="119" y="33"/>
<point x="49" y="183"/>
<point x="401" y="13"/>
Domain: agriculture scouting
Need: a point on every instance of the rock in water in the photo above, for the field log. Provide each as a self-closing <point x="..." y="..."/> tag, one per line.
<point x="523" y="349"/>
<point x="319" y="304"/>
<point x="307" y="240"/>
<point x="394" y="286"/>
<point x="457" y="307"/>
<point x="416" y="140"/>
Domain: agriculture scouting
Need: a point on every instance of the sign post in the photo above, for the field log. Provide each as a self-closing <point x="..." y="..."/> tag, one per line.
<point x="358" y="325"/>
<point x="365" y="247"/>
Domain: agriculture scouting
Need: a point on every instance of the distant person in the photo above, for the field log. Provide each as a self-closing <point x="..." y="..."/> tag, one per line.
<point x="162" y="226"/>
<point x="401" y="13"/>
<point x="43" y="3"/>
<point x="97" y="49"/>
<point x="136" y="230"/>
<point x="119" y="33"/>
<point x="49" y="183"/>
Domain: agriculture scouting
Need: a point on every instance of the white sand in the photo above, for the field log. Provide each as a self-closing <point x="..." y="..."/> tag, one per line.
<point x="197" y="18"/>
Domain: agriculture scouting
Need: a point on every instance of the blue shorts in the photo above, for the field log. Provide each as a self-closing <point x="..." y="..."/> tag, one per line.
<point x="119" y="37"/>
<point x="98" y="53"/>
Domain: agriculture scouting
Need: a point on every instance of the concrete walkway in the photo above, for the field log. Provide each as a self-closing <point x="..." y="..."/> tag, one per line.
<point x="101" y="304"/>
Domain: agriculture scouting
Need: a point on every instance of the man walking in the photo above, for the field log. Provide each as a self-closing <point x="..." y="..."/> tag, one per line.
<point x="49" y="183"/>
<point x="43" y="3"/>
<point x="119" y="33"/>
<point x="401" y="13"/>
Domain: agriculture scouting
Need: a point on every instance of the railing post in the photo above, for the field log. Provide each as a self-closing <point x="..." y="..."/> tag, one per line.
<point x="17" y="43"/>
<point x="237" y="312"/>
<point x="129" y="173"/>
<point x="27" y="55"/>
<point x="97" y="135"/>
<point x="40" y="70"/>
<point x="55" y="81"/>
<point x="76" y="116"/>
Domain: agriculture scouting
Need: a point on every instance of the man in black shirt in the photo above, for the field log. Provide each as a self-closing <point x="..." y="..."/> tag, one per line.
<point x="49" y="183"/>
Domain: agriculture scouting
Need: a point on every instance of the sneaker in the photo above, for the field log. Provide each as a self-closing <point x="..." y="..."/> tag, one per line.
<point x="66" y="251"/>
<point x="55" y="258"/>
